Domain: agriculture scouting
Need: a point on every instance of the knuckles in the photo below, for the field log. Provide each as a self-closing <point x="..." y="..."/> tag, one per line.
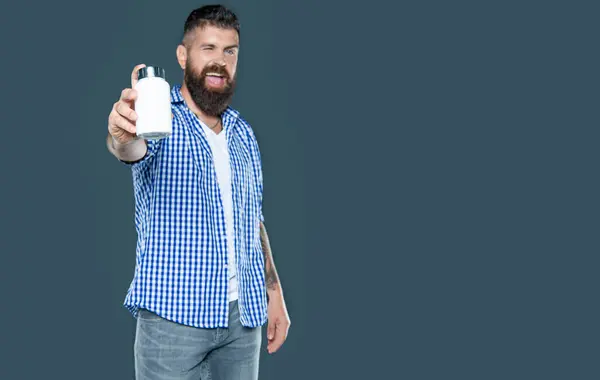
<point x="121" y="109"/>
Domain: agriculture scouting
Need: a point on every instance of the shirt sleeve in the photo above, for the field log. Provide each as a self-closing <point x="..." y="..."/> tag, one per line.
<point x="152" y="148"/>
<point x="260" y="187"/>
<point x="259" y="176"/>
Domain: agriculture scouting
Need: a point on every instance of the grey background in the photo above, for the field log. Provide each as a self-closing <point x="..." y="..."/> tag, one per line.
<point x="430" y="184"/>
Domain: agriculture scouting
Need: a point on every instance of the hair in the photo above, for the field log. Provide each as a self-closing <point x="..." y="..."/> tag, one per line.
<point x="214" y="15"/>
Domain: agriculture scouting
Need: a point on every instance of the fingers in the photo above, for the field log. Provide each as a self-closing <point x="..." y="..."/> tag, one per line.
<point x="121" y="121"/>
<point x="270" y="331"/>
<point x="280" y="335"/>
<point x="134" y="76"/>
<point x="121" y="117"/>
<point x="117" y="121"/>
<point x="125" y="106"/>
<point x="128" y="95"/>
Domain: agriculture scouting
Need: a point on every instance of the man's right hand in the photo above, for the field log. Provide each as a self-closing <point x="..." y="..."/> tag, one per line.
<point x="121" y="121"/>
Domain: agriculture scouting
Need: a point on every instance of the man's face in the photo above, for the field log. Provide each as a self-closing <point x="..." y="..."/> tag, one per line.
<point x="210" y="68"/>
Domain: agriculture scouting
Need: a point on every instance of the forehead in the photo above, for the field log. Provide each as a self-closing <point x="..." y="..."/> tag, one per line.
<point x="215" y="35"/>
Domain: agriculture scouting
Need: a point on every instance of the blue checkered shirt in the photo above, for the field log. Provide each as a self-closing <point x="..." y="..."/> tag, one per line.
<point x="181" y="270"/>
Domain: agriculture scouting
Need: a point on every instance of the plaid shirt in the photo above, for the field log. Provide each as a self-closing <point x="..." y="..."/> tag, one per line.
<point x="181" y="270"/>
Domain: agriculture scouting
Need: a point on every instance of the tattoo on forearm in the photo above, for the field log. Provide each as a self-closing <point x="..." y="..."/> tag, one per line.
<point x="271" y="278"/>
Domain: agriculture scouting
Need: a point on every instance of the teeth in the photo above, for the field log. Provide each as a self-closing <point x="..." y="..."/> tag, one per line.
<point x="214" y="75"/>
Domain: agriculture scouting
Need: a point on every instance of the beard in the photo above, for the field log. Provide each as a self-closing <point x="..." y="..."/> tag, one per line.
<point x="211" y="101"/>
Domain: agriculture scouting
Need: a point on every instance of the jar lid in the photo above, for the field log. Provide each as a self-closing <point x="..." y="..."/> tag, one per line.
<point x="151" y="71"/>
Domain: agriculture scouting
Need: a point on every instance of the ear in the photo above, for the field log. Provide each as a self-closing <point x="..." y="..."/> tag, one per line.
<point x="181" y="56"/>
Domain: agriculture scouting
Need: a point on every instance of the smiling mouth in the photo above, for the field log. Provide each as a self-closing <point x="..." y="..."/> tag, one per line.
<point x="215" y="79"/>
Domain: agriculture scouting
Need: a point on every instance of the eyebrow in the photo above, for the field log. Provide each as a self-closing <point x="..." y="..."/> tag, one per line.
<point x="226" y="47"/>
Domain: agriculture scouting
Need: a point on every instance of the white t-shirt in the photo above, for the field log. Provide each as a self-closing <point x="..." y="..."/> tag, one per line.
<point x="218" y="145"/>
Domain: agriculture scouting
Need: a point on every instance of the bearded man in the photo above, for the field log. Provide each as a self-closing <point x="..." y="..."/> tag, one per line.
<point x="205" y="281"/>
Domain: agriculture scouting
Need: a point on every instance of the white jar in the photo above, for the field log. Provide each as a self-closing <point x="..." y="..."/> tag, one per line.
<point x="153" y="104"/>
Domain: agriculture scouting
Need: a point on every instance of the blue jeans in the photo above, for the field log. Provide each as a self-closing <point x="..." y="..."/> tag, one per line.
<point x="165" y="350"/>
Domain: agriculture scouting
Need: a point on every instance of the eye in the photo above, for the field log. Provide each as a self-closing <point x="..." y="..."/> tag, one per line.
<point x="230" y="51"/>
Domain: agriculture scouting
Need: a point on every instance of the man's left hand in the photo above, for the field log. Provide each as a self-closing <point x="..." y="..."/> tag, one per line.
<point x="279" y="322"/>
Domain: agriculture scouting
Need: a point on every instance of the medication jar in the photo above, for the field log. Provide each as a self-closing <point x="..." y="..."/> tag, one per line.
<point x="153" y="104"/>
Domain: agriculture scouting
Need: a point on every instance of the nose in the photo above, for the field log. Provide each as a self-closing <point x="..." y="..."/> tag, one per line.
<point x="220" y="60"/>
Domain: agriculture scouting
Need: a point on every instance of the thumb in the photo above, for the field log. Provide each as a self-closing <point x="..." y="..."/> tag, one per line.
<point x="134" y="74"/>
<point x="271" y="330"/>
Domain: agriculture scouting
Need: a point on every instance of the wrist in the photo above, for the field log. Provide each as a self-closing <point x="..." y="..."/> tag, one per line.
<point x="116" y="144"/>
<point x="274" y="290"/>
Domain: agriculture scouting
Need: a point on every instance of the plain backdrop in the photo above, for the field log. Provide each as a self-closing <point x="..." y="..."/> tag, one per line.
<point x="430" y="179"/>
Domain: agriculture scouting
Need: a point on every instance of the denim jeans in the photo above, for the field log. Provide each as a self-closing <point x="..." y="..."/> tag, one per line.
<point x="165" y="350"/>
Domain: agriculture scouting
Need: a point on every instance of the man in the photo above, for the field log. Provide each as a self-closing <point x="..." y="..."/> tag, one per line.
<point x="204" y="281"/>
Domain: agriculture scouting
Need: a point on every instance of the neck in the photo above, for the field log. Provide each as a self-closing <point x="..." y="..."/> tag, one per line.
<point x="210" y="121"/>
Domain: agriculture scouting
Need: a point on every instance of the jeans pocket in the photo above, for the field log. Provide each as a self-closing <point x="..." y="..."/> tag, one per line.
<point x="147" y="315"/>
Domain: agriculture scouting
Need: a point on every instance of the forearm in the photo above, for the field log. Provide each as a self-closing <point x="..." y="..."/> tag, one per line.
<point x="130" y="152"/>
<point x="271" y="278"/>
